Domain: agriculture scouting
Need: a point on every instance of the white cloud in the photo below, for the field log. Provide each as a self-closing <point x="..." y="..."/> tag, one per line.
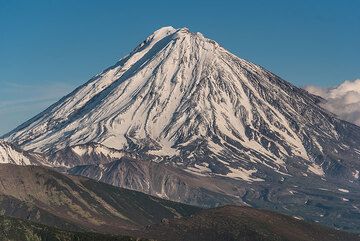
<point x="342" y="100"/>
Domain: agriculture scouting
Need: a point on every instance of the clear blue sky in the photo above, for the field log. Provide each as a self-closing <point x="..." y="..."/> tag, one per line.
<point x="49" y="47"/>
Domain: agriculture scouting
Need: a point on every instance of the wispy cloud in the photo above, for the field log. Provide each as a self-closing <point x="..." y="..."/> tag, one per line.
<point x="18" y="94"/>
<point x="19" y="102"/>
<point x="342" y="100"/>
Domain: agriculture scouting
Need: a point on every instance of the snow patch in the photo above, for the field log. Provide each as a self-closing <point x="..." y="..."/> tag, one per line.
<point x="243" y="174"/>
<point x="356" y="174"/>
<point x="343" y="190"/>
<point x="316" y="169"/>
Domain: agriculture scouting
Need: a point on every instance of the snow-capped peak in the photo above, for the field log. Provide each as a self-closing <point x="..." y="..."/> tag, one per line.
<point x="180" y="95"/>
<point x="163" y="32"/>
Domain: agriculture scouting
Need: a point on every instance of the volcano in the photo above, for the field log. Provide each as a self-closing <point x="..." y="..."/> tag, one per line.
<point x="181" y="101"/>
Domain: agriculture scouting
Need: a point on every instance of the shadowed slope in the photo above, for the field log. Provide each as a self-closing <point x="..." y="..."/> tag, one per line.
<point x="48" y="197"/>
<point x="19" y="230"/>
<point x="232" y="223"/>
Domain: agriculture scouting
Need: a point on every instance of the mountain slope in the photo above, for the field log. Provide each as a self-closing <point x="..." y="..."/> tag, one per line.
<point x="245" y="224"/>
<point x="181" y="101"/>
<point x="14" y="155"/>
<point x="164" y="181"/>
<point x="180" y="94"/>
<point x="90" y="153"/>
<point x="46" y="196"/>
<point x="333" y="204"/>
<point x="226" y="223"/>
<point x="78" y="205"/>
<point x="20" y="230"/>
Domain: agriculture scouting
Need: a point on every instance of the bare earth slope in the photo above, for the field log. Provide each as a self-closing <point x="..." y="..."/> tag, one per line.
<point x="46" y="196"/>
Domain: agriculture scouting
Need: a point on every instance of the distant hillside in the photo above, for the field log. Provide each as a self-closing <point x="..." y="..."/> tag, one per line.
<point x="234" y="223"/>
<point x="12" y="229"/>
<point x="45" y="196"/>
<point x="230" y="223"/>
<point x="79" y="205"/>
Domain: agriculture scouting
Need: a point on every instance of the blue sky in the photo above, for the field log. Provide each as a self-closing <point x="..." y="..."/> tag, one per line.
<point x="49" y="47"/>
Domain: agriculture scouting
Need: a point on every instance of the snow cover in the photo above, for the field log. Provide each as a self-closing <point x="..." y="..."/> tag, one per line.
<point x="176" y="91"/>
<point x="8" y="154"/>
<point x="316" y="169"/>
<point x="243" y="174"/>
<point x="200" y="169"/>
<point x="343" y="190"/>
<point x="356" y="174"/>
<point x="88" y="150"/>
